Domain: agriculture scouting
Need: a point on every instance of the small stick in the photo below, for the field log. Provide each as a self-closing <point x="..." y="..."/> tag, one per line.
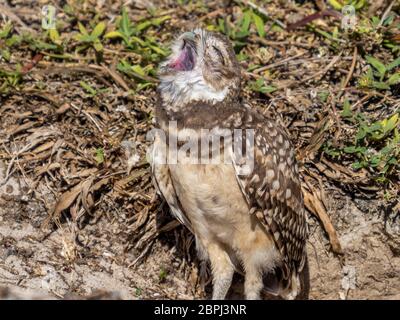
<point x="324" y="71"/>
<point x="318" y="74"/>
<point x="211" y="14"/>
<point x="311" y="18"/>
<point x="8" y="12"/>
<point x="386" y="13"/>
<point x="117" y="78"/>
<point x="353" y="64"/>
<point x="280" y="43"/>
<point x="315" y="205"/>
<point x="276" y="64"/>
<point x="29" y="66"/>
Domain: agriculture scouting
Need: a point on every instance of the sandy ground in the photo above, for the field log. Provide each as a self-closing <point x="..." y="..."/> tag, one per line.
<point x="93" y="262"/>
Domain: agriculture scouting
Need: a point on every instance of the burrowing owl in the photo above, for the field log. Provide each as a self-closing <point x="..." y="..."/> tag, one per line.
<point x="252" y="220"/>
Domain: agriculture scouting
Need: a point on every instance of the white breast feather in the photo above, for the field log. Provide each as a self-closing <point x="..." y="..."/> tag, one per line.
<point x="189" y="86"/>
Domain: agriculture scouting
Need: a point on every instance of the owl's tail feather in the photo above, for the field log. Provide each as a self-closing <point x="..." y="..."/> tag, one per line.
<point x="295" y="287"/>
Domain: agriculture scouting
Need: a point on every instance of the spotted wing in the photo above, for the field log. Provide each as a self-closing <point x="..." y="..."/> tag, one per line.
<point x="273" y="191"/>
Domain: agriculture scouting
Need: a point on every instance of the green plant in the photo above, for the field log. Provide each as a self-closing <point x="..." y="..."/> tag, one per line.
<point x="86" y="39"/>
<point x="376" y="145"/>
<point x="375" y="76"/>
<point x="136" y="71"/>
<point x="131" y="34"/>
<point x="260" y="86"/>
<point x="138" y="292"/>
<point x="10" y="79"/>
<point x="162" y="274"/>
<point x="99" y="155"/>
<point x="339" y="4"/>
<point x="35" y="43"/>
<point x="323" y="96"/>
<point x="138" y="38"/>
<point x="5" y="31"/>
<point x="242" y="28"/>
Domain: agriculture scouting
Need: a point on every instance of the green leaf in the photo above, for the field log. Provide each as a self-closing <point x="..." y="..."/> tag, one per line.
<point x="137" y="40"/>
<point x="138" y="292"/>
<point x="351" y="149"/>
<point x="98" y="46"/>
<point x="323" y="96"/>
<point x="379" y="66"/>
<point x="162" y="275"/>
<point x="83" y="38"/>
<point x="14" y="40"/>
<point x="5" y="54"/>
<point x="157" y="50"/>
<point x="138" y="69"/>
<point x="332" y="151"/>
<point x="393" y="64"/>
<point x="375" y="21"/>
<point x="361" y="134"/>
<point x="54" y="36"/>
<point x="143" y="25"/>
<point x="358" y="164"/>
<point x="359" y="4"/>
<point x="268" y="89"/>
<point x="99" y="155"/>
<point x="141" y="86"/>
<point x="388" y="21"/>
<point x="40" y="45"/>
<point x="88" y="88"/>
<point x="393" y="79"/>
<point x="380" y="85"/>
<point x="336" y="4"/>
<point x="98" y="30"/>
<point x="221" y="25"/>
<point x="241" y="35"/>
<point x="82" y="29"/>
<point x="160" y="20"/>
<point x="246" y="22"/>
<point x="6" y="30"/>
<point x="391" y="123"/>
<point x="125" y="23"/>
<point x="241" y="56"/>
<point x="113" y="35"/>
<point x="346" y="113"/>
<point x="374" y="127"/>
<point x="258" y="21"/>
<point x="335" y="32"/>
<point x="375" y="160"/>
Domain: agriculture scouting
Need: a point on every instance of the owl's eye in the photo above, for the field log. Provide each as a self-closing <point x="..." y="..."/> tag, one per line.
<point x="219" y="54"/>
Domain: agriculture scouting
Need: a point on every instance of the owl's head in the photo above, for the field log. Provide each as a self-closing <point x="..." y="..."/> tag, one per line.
<point x="202" y="66"/>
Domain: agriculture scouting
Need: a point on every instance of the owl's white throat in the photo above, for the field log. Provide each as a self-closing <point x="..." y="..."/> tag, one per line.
<point x="189" y="86"/>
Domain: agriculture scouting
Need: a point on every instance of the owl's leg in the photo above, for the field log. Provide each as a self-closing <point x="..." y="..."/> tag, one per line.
<point x="255" y="260"/>
<point x="222" y="271"/>
<point x="253" y="282"/>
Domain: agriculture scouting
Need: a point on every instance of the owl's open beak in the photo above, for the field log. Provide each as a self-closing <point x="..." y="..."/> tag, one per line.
<point x="186" y="59"/>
